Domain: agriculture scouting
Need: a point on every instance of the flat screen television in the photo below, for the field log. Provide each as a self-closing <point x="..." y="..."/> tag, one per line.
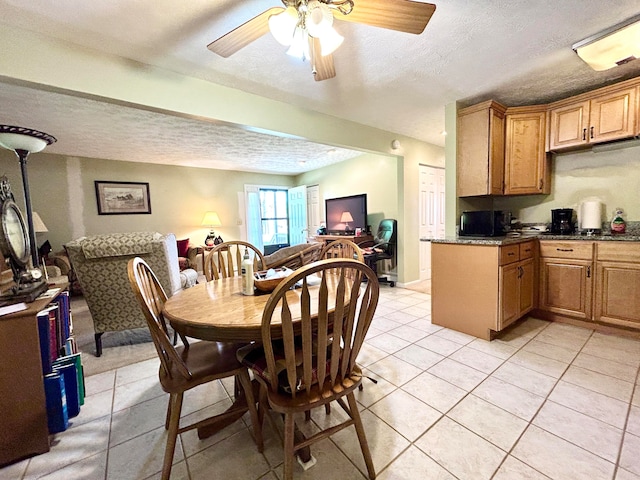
<point x="340" y="210"/>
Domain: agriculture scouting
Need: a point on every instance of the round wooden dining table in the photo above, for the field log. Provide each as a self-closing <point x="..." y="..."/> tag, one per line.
<point x="218" y="311"/>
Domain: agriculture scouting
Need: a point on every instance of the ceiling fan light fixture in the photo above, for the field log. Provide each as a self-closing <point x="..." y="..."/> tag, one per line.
<point x="318" y="18"/>
<point x="300" y="45"/>
<point x="330" y="41"/>
<point x="283" y="25"/>
<point x="612" y="47"/>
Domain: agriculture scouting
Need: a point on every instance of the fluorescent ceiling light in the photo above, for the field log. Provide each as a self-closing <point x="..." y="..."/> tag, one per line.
<point x="615" y="46"/>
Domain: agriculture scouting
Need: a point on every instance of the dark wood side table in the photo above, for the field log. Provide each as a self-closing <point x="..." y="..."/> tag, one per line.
<point x="23" y="422"/>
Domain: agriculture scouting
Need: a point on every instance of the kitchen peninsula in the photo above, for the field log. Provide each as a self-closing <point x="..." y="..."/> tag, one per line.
<point x="482" y="285"/>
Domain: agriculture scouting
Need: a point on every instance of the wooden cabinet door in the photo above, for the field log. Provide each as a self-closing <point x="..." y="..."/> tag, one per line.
<point x="613" y="116"/>
<point x="565" y="287"/>
<point x="517" y="291"/>
<point x="568" y="125"/>
<point x="527" y="286"/>
<point x="480" y="150"/>
<point x="617" y="300"/>
<point x="509" y="294"/>
<point x="526" y="165"/>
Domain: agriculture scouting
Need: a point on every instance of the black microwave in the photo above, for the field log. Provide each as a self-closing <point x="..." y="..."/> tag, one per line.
<point x="484" y="223"/>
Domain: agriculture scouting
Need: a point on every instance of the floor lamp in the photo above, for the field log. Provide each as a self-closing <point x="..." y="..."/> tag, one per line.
<point x="24" y="141"/>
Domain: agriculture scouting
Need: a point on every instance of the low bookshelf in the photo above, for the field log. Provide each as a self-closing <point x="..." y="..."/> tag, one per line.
<point x="24" y="422"/>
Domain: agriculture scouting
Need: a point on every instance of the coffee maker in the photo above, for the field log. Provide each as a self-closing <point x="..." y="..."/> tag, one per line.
<point x="562" y="222"/>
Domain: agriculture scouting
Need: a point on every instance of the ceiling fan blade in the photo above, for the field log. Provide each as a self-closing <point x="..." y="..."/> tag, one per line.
<point x="243" y="35"/>
<point x="322" y="67"/>
<point x="401" y="15"/>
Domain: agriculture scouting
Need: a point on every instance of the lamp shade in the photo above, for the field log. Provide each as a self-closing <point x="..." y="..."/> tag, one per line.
<point x="612" y="47"/>
<point x="346" y="217"/>
<point x="20" y="138"/>
<point x="38" y="224"/>
<point x="211" y="219"/>
<point x="318" y="18"/>
<point x="330" y="41"/>
<point x="283" y="25"/>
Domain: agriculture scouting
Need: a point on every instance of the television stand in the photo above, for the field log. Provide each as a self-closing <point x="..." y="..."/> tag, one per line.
<point x="355" y="239"/>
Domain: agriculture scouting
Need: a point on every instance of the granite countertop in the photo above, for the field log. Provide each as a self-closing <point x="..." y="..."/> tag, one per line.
<point x="508" y="240"/>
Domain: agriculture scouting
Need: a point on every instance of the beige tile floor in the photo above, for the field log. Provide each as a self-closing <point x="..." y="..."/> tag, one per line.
<point x="545" y="401"/>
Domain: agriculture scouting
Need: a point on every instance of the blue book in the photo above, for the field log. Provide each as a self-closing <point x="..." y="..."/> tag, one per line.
<point x="45" y="341"/>
<point x="76" y="360"/>
<point x="57" y="416"/>
<point x="72" y="394"/>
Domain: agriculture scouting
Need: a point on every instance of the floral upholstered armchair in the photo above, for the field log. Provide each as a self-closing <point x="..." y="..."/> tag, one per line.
<point x="100" y="263"/>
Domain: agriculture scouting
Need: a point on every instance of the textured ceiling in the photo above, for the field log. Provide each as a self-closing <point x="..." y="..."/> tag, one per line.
<point x="515" y="51"/>
<point x="89" y="128"/>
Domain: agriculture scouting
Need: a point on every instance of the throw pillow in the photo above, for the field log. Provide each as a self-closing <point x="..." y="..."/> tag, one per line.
<point x="183" y="247"/>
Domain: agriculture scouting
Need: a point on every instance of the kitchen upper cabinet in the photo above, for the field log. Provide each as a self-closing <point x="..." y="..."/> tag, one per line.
<point x="600" y="116"/>
<point x="568" y="125"/>
<point x="617" y="284"/>
<point x="566" y="276"/>
<point x="527" y="164"/>
<point x="480" y="150"/>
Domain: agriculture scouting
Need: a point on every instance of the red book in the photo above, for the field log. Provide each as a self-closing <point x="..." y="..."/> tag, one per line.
<point x="53" y="331"/>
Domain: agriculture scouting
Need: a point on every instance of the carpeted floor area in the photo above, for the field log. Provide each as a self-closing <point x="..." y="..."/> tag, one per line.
<point x="118" y="348"/>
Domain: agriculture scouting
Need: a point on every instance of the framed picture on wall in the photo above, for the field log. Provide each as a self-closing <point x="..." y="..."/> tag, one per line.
<point x="122" y="198"/>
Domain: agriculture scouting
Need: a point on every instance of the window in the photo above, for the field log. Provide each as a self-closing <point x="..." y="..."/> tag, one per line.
<point x="274" y="217"/>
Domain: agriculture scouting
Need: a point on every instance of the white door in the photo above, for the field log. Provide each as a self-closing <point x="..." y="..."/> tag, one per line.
<point x="297" y="215"/>
<point x="431" y="213"/>
<point x="313" y="209"/>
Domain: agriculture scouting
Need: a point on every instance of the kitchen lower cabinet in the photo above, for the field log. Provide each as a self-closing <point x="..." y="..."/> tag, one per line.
<point x="516" y="291"/>
<point x="481" y="289"/>
<point x="566" y="278"/>
<point x="617" y="298"/>
<point x="565" y="287"/>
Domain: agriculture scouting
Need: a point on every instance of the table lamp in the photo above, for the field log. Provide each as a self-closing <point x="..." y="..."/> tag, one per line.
<point x="211" y="220"/>
<point x="346" y="218"/>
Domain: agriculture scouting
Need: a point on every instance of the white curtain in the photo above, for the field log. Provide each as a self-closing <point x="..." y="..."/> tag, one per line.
<point x="254" y="219"/>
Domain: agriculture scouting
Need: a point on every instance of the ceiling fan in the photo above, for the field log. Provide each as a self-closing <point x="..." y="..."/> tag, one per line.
<point x="306" y="27"/>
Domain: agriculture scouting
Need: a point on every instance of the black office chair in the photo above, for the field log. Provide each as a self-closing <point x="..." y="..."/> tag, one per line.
<point x="383" y="246"/>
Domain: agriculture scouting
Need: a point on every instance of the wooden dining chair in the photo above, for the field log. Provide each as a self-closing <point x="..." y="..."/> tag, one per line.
<point x="224" y="259"/>
<point x="185" y="367"/>
<point x="310" y="362"/>
<point x="342" y="248"/>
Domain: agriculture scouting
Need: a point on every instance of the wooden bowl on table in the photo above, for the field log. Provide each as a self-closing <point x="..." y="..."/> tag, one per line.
<point x="264" y="284"/>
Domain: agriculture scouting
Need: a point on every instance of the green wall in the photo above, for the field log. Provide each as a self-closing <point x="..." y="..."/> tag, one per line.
<point x="375" y="175"/>
<point x="613" y="176"/>
<point x="63" y="193"/>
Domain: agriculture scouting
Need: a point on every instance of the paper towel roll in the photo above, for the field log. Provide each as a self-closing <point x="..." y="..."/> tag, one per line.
<point x="591" y="215"/>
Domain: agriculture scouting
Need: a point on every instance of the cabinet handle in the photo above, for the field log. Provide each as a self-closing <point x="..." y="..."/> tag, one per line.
<point x="564" y="249"/>
<point x="541" y="184"/>
<point x="510" y="254"/>
<point x="584" y="133"/>
<point x="527" y="250"/>
<point x="591" y="129"/>
<point x="520" y="272"/>
<point x="588" y="272"/>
